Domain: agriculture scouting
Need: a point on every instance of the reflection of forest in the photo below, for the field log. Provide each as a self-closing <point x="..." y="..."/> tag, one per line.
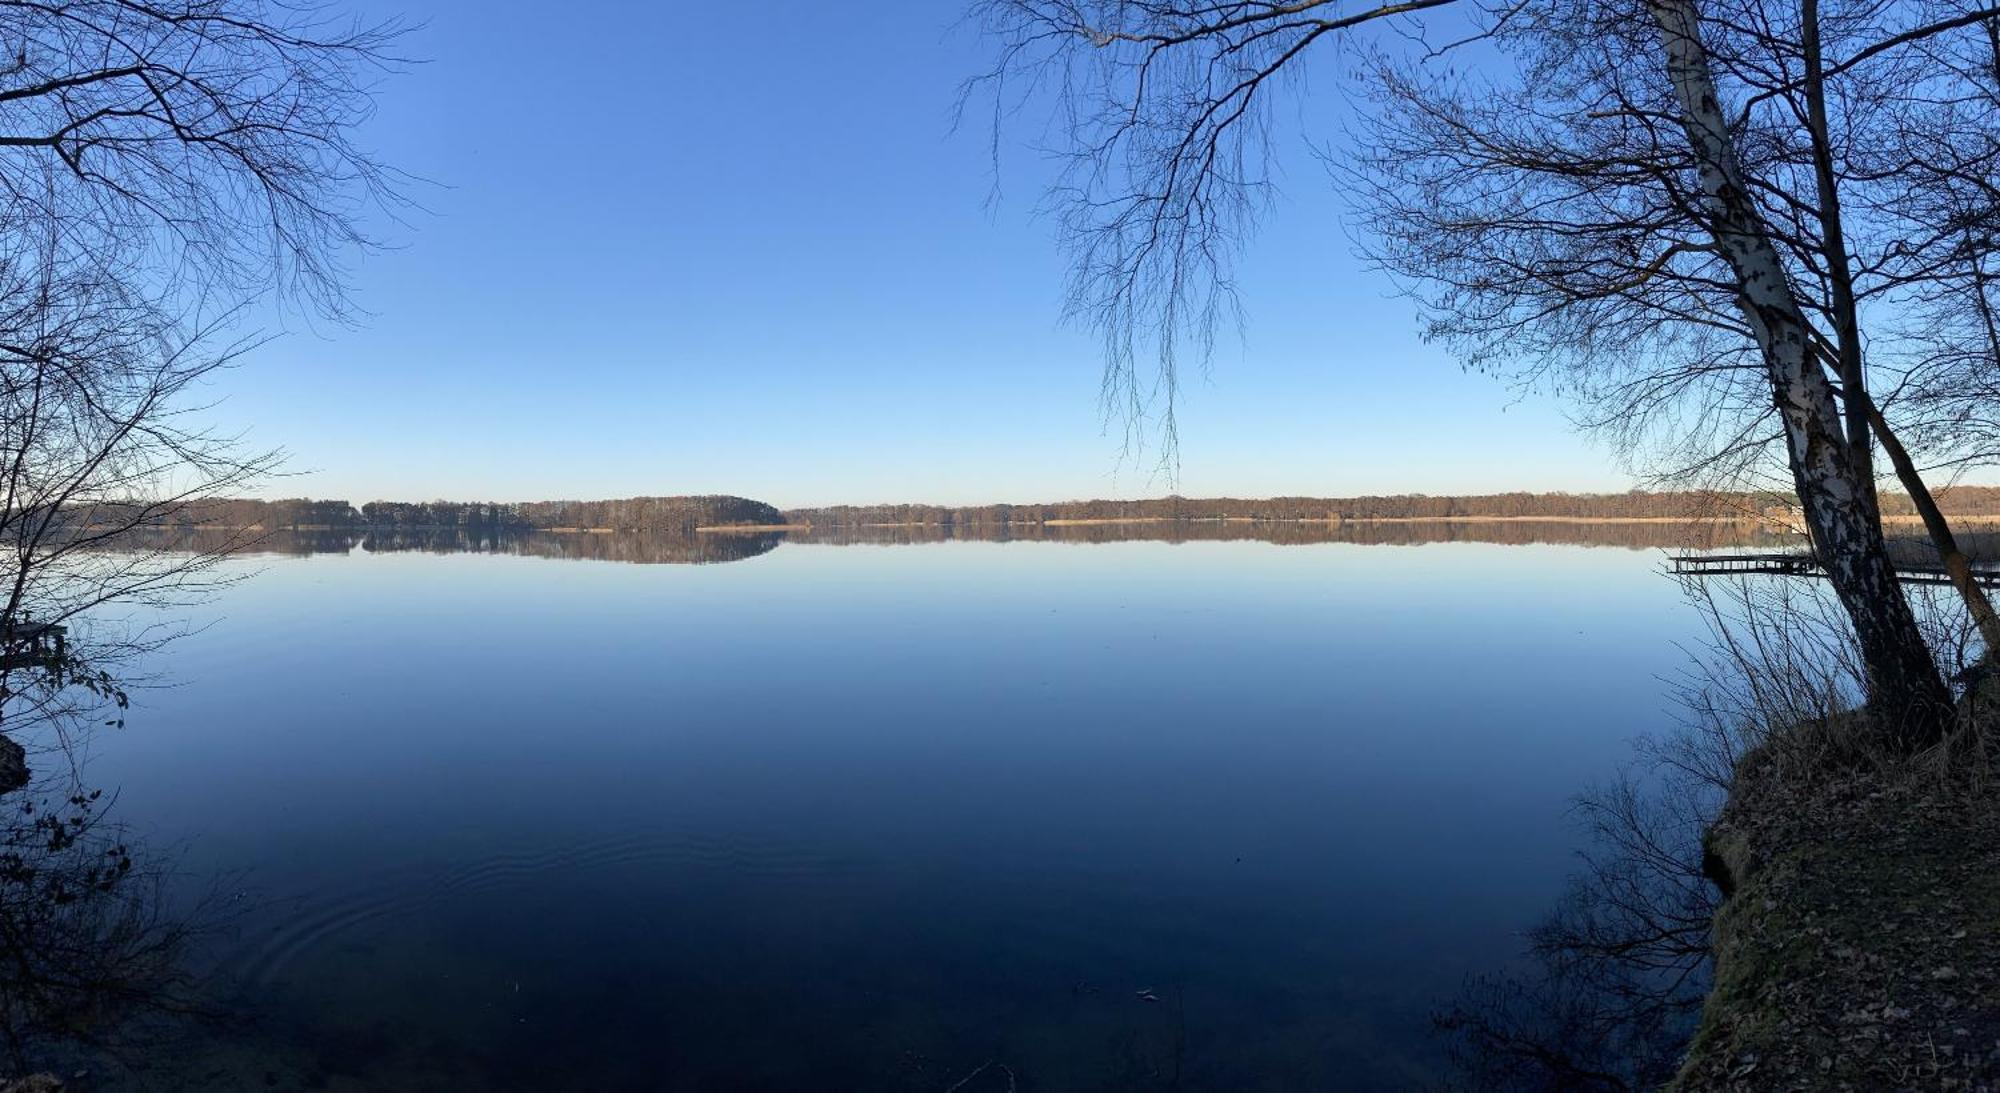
<point x="1692" y="535"/>
<point x="1915" y="550"/>
<point x="641" y="547"/>
<point x="704" y="548"/>
<point x="647" y="548"/>
<point x="93" y="962"/>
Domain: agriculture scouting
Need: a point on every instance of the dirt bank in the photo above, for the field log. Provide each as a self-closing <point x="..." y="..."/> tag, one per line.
<point x="1859" y="946"/>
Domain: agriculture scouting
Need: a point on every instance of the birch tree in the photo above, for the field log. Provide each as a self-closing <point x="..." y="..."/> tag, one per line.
<point x="1705" y="220"/>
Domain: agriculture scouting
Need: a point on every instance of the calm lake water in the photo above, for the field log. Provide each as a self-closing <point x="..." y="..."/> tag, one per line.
<point x="1136" y="815"/>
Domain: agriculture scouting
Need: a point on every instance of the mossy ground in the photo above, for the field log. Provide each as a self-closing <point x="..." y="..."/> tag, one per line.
<point x="1860" y="945"/>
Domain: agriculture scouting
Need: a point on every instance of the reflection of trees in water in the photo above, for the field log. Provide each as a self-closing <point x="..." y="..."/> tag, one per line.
<point x="702" y="548"/>
<point x="231" y="542"/>
<point x="1978" y="546"/>
<point x="93" y="956"/>
<point x="1618" y="970"/>
<point x="1620" y="967"/>
<point x="93" y="965"/>
<point x="644" y="548"/>
<point x="1632" y="535"/>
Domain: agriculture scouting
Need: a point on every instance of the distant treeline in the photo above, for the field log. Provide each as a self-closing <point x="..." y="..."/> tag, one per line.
<point x="688" y="513"/>
<point x="1632" y="505"/>
<point x="1632" y="534"/>
<point x="643" y="547"/>
<point x="628" y="514"/>
<point x="688" y="547"/>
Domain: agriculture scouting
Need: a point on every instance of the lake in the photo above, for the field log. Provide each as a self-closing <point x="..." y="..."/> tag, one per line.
<point x="1224" y="815"/>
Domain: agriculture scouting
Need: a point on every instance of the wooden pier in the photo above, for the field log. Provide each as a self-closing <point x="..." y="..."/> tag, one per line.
<point x="1801" y="564"/>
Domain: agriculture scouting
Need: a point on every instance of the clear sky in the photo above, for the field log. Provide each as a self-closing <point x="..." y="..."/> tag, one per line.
<point x="688" y="247"/>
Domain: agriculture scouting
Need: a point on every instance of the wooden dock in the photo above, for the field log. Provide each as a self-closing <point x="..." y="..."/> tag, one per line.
<point x="1802" y="564"/>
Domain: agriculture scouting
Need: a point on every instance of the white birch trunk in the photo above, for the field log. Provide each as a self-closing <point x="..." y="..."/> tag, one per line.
<point x="1905" y="690"/>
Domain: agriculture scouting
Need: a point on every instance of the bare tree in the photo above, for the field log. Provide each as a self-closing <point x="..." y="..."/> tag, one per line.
<point x="1707" y="220"/>
<point x="164" y="164"/>
<point x="101" y="452"/>
<point x="203" y="145"/>
<point x="101" y="445"/>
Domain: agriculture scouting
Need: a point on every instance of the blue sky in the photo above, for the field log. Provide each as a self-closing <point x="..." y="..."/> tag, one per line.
<point x="692" y="248"/>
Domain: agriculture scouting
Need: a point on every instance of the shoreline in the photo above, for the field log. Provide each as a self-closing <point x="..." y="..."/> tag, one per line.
<point x="1857" y="945"/>
<point x="1108" y="521"/>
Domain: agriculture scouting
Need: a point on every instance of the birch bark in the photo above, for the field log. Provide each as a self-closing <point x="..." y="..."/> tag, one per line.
<point x="1905" y="691"/>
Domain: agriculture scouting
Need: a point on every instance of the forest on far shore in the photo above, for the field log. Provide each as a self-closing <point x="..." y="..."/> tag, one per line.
<point x="683" y="514"/>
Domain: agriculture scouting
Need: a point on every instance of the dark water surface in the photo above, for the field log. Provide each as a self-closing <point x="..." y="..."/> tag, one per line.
<point x="1134" y="815"/>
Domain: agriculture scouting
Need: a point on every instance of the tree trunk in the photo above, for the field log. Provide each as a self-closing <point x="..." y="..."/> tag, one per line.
<point x="1833" y="250"/>
<point x="1956" y="565"/>
<point x="1906" y="695"/>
